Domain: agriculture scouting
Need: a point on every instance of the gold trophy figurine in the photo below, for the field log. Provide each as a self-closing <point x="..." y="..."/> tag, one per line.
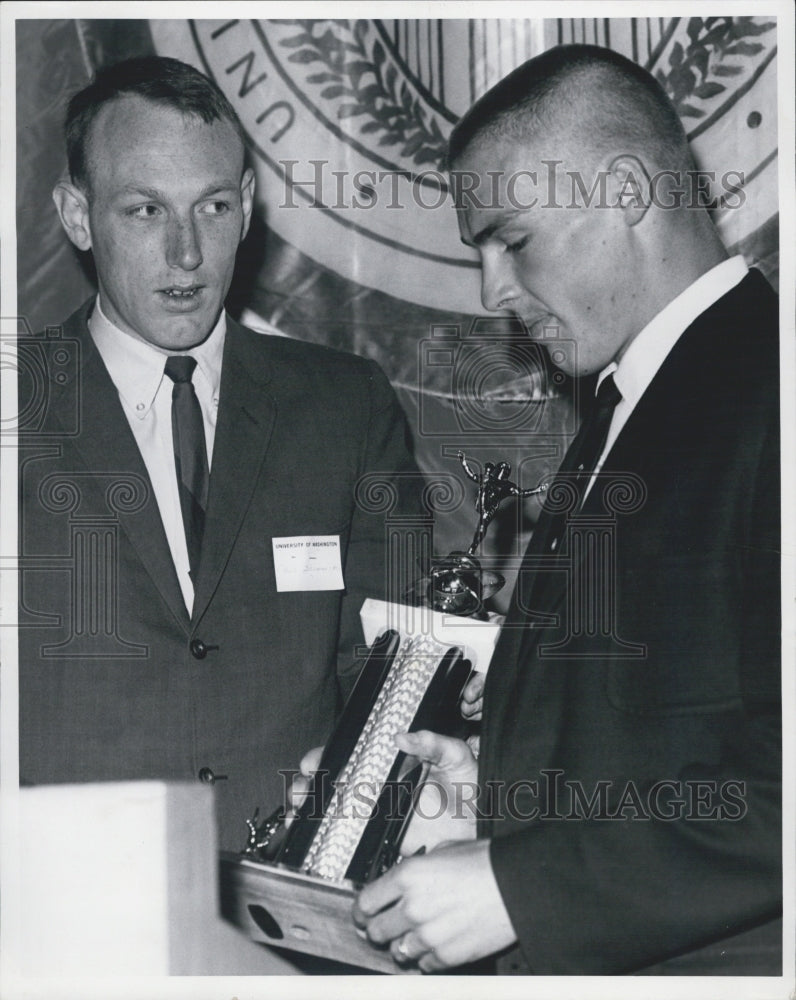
<point x="457" y="584"/>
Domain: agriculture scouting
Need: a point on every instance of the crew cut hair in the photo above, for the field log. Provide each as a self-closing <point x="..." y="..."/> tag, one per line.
<point x="160" y="79"/>
<point x="604" y="100"/>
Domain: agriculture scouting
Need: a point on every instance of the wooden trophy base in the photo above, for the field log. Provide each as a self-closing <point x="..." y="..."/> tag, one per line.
<point x="289" y="909"/>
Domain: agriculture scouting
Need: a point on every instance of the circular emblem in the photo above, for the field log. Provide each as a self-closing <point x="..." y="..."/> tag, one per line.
<point x="348" y="121"/>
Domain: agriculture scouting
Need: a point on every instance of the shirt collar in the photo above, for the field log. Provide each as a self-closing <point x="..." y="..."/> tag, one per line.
<point x="136" y="366"/>
<point x="647" y="352"/>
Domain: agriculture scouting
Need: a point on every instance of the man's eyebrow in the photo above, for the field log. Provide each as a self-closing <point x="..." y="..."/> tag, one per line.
<point x="217" y="187"/>
<point x="484" y="234"/>
<point x="221" y="187"/>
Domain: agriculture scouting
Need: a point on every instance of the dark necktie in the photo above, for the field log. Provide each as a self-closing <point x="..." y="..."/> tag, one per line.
<point x="190" y="454"/>
<point x="580" y="461"/>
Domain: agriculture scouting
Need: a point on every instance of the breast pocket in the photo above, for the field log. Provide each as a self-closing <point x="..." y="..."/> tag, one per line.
<point x="686" y="609"/>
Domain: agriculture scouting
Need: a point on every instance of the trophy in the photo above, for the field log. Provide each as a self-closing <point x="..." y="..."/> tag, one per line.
<point x="458" y="584"/>
<point x="295" y="881"/>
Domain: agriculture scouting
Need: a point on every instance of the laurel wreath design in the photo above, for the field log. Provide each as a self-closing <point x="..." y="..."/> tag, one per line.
<point x="711" y="40"/>
<point x="355" y="66"/>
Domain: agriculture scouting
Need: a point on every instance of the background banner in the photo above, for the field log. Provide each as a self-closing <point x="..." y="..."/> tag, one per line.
<point x="354" y="241"/>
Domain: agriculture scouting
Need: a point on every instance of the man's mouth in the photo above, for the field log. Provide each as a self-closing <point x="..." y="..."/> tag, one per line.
<point x="175" y="292"/>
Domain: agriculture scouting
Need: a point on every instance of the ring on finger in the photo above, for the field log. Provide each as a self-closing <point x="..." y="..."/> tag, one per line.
<point x="402" y="951"/>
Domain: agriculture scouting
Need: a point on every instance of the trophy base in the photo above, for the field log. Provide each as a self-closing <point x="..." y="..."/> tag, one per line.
<point x="288" y="909"/>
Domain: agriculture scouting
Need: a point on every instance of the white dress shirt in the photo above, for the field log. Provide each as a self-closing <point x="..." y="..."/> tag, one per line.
<point x="136" y="368"/>
<point x="648" y="350"/>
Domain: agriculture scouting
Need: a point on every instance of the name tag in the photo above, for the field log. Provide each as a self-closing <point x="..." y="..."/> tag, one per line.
<point x="308" y="562"/>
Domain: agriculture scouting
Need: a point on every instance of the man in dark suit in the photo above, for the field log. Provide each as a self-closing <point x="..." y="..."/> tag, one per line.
<point x="195" y="550"/>
<point x="629" y="771"/>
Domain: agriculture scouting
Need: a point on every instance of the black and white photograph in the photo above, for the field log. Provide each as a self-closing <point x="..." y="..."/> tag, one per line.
<point x="397" y="560"/>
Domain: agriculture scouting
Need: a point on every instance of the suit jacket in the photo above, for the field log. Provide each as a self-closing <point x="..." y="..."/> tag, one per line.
<point x="643" y="695"/>
<point x="116" y="681"/>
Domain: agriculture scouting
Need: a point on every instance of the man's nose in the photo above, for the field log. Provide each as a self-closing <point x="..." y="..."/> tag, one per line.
<point x="183" y="249"/>
<point x="497" y="284"/>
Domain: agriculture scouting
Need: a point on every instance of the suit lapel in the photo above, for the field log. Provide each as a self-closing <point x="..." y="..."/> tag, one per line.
<point x="108" y="449"/>
<point x="550" y="586"/>
<point x="633" y="447"/>
<point x="245" y="422"/>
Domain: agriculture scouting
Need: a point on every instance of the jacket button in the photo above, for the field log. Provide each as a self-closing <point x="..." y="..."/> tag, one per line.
<point x="198" y="649"/>
<point x="208" y="777"/>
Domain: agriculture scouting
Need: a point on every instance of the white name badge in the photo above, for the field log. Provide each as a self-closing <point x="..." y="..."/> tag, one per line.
<point x="308" y="562"/>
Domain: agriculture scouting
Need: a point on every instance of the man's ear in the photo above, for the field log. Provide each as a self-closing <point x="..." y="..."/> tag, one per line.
<point x="632" y="185"/>
<point x="72" y="206"/>
<point x="246" y="199"/>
